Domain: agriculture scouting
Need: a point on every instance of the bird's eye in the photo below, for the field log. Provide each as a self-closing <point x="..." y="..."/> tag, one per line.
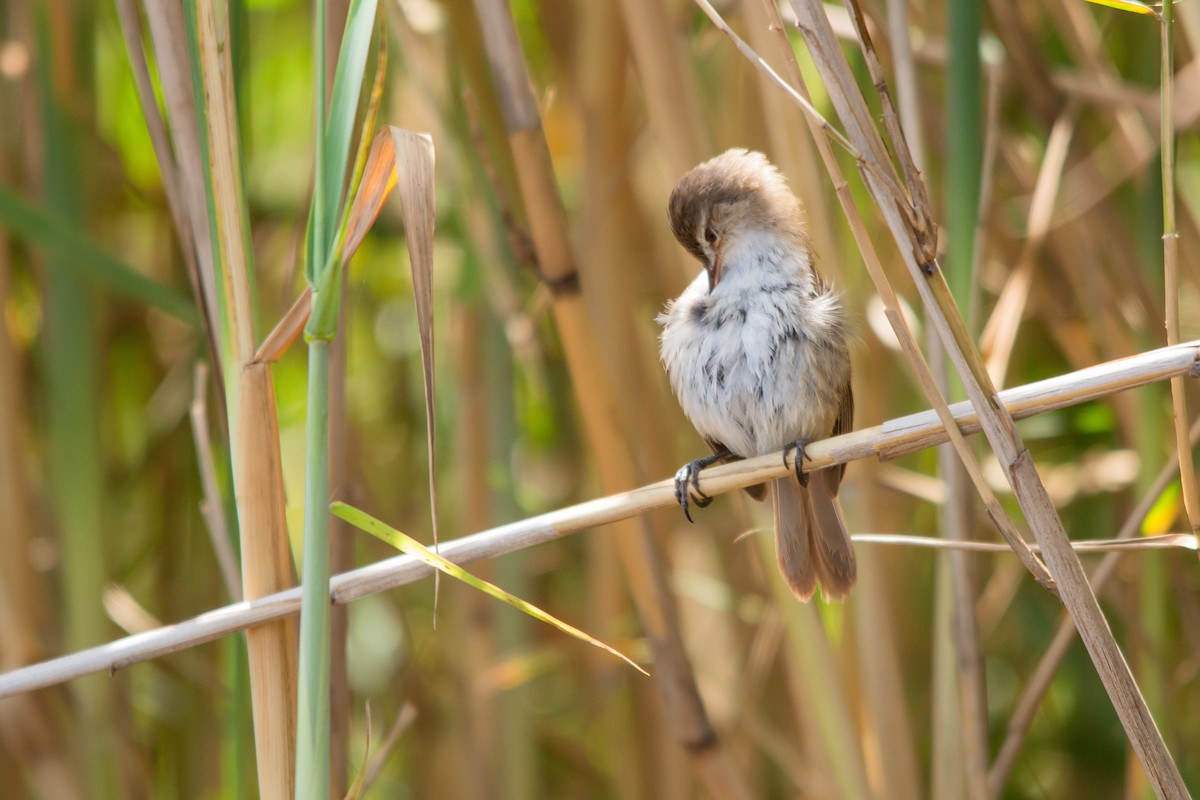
<point x="710" y="235"/>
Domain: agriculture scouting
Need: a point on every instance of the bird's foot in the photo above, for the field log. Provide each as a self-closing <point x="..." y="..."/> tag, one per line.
<point x="687" y="483"/>
<point x="801" y="457"/>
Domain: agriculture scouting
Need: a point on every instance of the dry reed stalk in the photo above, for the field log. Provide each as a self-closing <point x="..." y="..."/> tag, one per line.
<point x="967" y="665"/>
<point x="477" y="733"/>
<point x="257" y="467"/>
<point x="212" y="508"/>
<point x="165" y="22"/>
<point x="950" y="712"/>
<point x="1118" y="544"/>
<point x="878" y="616"/>
<point x="1039" y="681"/>
<point x="156" y="126"/>
<point x="827" y="729"/>
<point x="907" y="92"/>
<point x="671" y="94"/>
<point x="611" y="242"/>
<point x="556" y="262"/>
<point x="901" y="435"/>
<point x="911" y="229"/>
<point x="266" y="569"/>
<point x="1170" y="239"/>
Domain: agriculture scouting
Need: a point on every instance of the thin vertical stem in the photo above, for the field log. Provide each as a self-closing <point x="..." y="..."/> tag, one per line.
<point x="964" y="128"/>
<point x="1170" y="237"/>
<point x="317" y="232"/>
<point x="72" y="378"/>
<point x="964" y="134"/>
<point x="312" y="746"/>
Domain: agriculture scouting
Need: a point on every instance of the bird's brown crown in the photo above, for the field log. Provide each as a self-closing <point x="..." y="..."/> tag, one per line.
<point x="736" y="191"/>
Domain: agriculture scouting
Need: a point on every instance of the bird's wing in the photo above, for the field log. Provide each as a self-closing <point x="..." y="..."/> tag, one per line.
<point x="843" y="424"/>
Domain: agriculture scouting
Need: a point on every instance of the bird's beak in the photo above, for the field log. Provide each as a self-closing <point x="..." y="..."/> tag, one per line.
<point x="714" y="270"/>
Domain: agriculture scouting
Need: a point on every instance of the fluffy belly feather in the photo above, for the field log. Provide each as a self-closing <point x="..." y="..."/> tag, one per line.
<point x="753" y="386"/>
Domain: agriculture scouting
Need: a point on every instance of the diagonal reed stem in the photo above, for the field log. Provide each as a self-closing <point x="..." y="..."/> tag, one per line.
<point x="1039" y="682"/>
<point x="896" y="436"/>
<point x="912" y="234"/>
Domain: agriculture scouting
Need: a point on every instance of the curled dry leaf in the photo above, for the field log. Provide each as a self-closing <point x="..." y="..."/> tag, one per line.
<point x="397" y="153"/>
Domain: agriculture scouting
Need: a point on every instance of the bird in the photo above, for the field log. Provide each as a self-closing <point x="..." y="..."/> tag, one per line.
<point x="757" y="350"/>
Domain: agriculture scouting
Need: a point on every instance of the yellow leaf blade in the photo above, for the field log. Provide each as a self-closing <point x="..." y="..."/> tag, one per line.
<point x="406" y="544"/>
<point x="1126" y="5"/>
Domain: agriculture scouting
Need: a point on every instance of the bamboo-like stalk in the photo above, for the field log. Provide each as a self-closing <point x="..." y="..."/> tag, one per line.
<point x="911" y="233"/>
<point x="611" y="238"/>
<point x="671" y="93"/>
<point x="901" y="435"/>
<point x="556" y="261"/>
<point x="257" y="465"/>
<point x="878" y="615"/>
<point x="1170" y="237"/>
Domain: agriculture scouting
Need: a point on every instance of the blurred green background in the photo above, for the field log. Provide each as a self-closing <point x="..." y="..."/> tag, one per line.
<point x="102" y="531"/>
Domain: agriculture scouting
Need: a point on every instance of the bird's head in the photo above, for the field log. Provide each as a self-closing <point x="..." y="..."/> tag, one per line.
<point x="718" y="203"/>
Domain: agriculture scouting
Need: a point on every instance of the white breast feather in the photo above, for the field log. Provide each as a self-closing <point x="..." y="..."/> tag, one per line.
<point x="740" y="376"/>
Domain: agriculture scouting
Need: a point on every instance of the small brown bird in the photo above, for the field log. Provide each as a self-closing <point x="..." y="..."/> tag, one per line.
<point x="758" y="352"/>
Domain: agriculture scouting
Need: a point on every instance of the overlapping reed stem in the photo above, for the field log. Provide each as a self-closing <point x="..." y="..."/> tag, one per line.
<point x="910" y="224"/>
<point x="888" y="440"/>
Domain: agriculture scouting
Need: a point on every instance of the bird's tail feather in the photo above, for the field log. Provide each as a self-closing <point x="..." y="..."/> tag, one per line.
<point x="811" y="541"/>
<point x="834" y="554"/>
<point x="793" y="541"/>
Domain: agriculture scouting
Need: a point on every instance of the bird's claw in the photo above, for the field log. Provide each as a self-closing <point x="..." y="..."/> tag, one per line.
<point x="687" y="480"/>
<point x="801" y="457"/>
